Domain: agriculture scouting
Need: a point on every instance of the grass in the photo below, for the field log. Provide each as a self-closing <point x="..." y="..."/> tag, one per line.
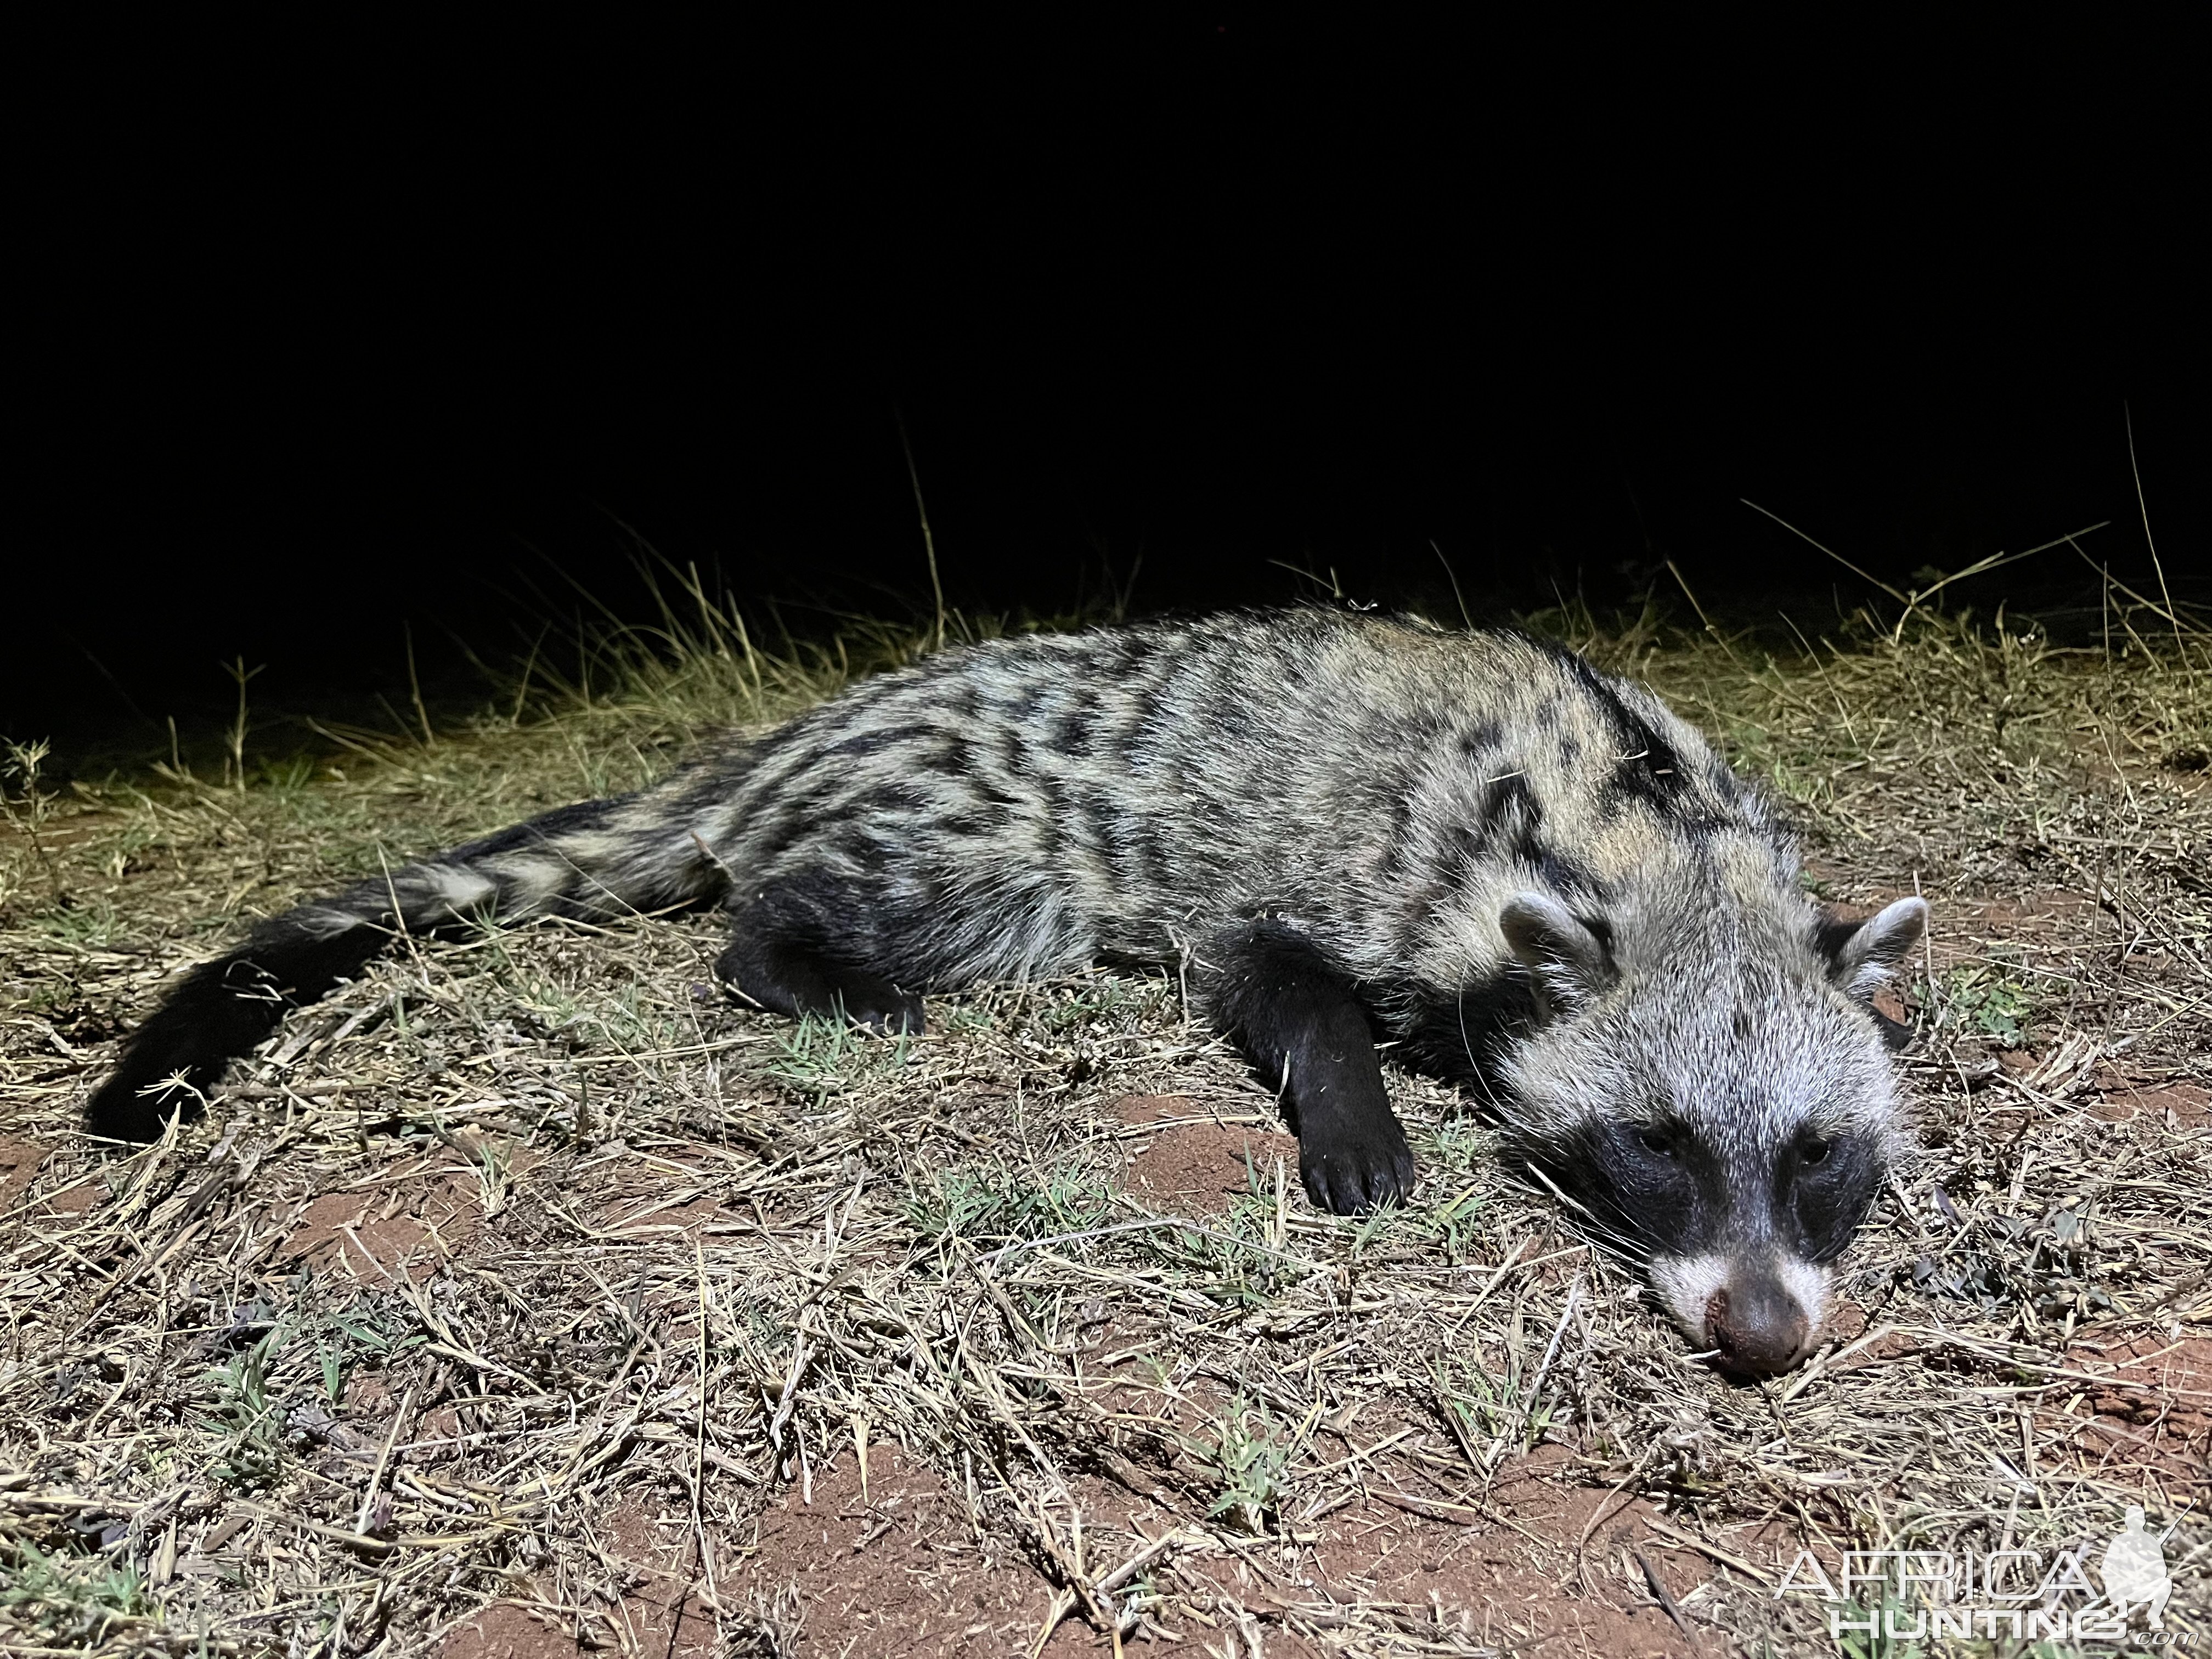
<point x="517" y="1235"/>
<point x="1252" y="1450"/>
<point x="1982" y="1001"/>
<point x="817" y="1058"/>
<point x="70" y="1599"/>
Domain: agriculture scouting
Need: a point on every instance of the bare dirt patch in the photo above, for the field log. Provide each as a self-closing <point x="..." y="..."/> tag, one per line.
<point x="505" y="1631"/>
<point x="338" y="1227"/>
<point x="413" y="1220"/>
<point x="20" y="1163"/>
<point x="2150" y="1417"/>
<point x="2169" y="1383"/>
<point x="2184" y="1105"/>
<point x="78" y="1199"/>
<point x="2037" y="913"/>
<point x="1497" y="1587"/>
<point x="658" y="1615"/>
<point x="674" y="1195"/>
<point x="895" y="1569"/>
<point x="1195" y="1168"/>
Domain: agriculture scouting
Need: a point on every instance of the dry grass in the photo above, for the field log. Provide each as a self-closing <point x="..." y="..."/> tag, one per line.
<point x="528" y="1294"/>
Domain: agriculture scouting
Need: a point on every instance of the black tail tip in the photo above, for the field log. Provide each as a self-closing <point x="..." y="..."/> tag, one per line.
<point x="129" y="1107"/>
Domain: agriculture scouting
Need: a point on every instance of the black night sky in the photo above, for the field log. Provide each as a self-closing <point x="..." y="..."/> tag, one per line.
<point x="318" y="338"/>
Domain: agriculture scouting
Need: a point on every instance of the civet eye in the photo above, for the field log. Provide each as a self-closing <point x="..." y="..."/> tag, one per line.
<point x="1816" y="1153"/>
<point x="1657" y="1140"/>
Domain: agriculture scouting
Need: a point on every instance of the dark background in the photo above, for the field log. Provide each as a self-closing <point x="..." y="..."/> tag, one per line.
<point x="322" y="339"/>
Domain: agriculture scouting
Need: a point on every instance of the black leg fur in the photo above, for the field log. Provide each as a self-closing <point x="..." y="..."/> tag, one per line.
<point x="221" y="1009"/>
<point x="1296" y="1018"/>
<point x="782" y="959"/>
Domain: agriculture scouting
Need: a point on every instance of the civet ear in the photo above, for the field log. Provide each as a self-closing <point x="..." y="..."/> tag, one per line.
<point x="1564" y="959"/>
<point x="1861" y="956"/>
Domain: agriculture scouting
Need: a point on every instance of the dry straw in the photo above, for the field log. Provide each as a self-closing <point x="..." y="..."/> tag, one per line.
<point x="516" y="1231"/>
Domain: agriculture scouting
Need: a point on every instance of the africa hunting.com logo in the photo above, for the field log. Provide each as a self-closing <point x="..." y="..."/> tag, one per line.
<point x="2022" y="1594"/>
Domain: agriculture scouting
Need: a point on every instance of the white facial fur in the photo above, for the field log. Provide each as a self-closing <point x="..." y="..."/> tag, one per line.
<point x="1686" y="1285"/>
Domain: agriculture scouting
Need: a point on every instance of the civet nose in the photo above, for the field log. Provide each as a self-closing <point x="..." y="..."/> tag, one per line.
<point x="1757" y="1326"/>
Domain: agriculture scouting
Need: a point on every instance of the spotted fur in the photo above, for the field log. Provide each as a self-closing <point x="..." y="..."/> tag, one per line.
<point x="1524" y="873"/>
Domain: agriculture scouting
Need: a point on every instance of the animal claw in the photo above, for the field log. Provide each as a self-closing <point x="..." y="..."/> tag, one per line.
<point x="1354" y="1176"/>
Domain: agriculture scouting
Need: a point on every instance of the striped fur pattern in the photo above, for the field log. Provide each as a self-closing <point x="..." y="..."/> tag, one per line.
<point x="1343" y="829"/>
